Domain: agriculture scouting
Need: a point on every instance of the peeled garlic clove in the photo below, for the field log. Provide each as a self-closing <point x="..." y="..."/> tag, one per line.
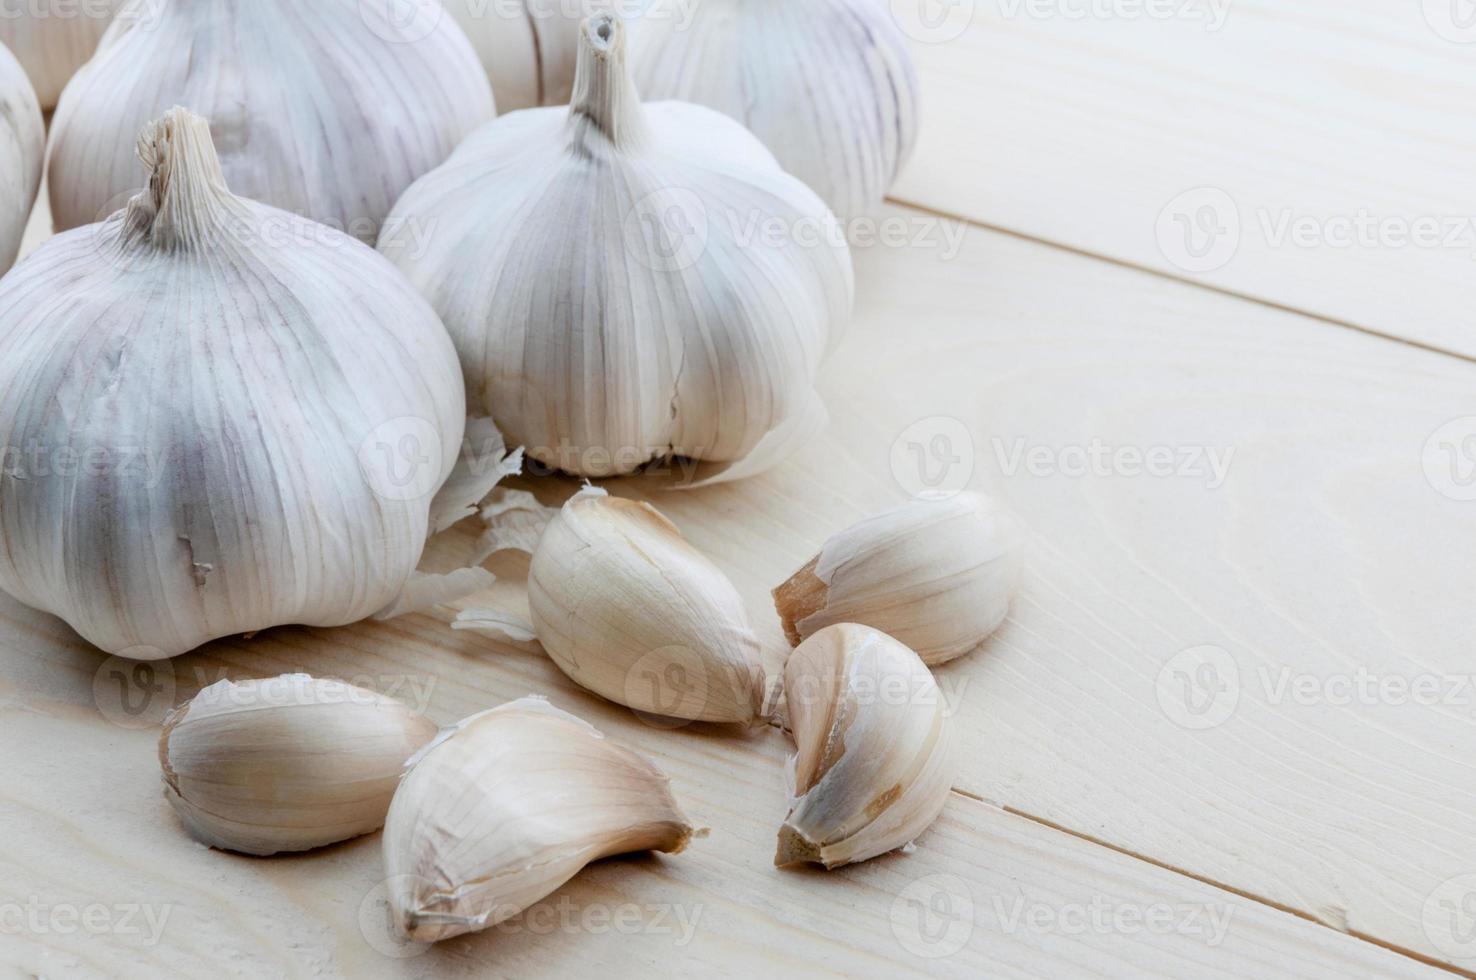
<point x="508" y="806"/>
<point x="631" y="611"/>
<point x="529" y="47"/>
<point x="875" y="757"/>
<point x="829" y="86"/>
<point x="286" y="764"/>
<point x="223" y="417"/>
<point x="937" y="575"/>
<point x="54" y="38"/>
<point x="22" y="148"/>
<point x="607" y="277"/>
<point x="327" y="109"/>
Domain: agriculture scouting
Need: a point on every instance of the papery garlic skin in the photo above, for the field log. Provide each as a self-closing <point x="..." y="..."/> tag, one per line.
<point x="529" y="47"/>
<point x="594" y="331"/>
<point x="286" y="764"/>
<point x="875" y="755"/>
<point x="936" y="574"/>
<point x="327" y="109"/>
<point x="22" y="149"/>
<point x="631" y="611"/>
<point x="508" y="806"/>
<point x="222" y="417"/>
<point x="54" y="38"/>
<point x="828" y="85"/>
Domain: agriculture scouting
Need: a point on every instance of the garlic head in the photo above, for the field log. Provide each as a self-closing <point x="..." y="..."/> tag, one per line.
<point x="223" y="417"/>
<point x="936" y="574"/>
<point x="594" y="267"/>
<point x="506" y="807"/>
<point x="874" y="758"/>
<point x="828" y="85"/>
<point x="54" y="38"/>
<point x="631" y="611"/>
<point x="287" y="763"/>
<point x="22" y="150"/>
<point x="327" y="109"/>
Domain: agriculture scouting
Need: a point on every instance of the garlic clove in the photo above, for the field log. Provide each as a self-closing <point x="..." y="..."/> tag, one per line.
<point x="54" y="38"/>
<point x="606" y="274"/>
<point x="22" y="148"/>
<point x="875" y="758"/>
<point x="509" y="805"/>
<point x="631" y="611"/>
<point x="287" y="763"/>
<point x="936" y="574"/>
<point x="828" y="85"/>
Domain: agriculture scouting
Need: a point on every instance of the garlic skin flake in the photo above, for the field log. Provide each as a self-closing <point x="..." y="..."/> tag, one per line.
<point x="22" y="150"/>
<point x="828" y="85"/>
<point x="508" y="806"/>
<point x="286" y="764"/>
<point x="594" y="267"/>
<point x="936" y="574"/>
<point x="529" y="47"/>
<point x="324" y="109"/>
<point x="230" y="418"/>
<point x="631" y="611"/>
<point x="875" y="753"/>
<point x="54" y="38"/>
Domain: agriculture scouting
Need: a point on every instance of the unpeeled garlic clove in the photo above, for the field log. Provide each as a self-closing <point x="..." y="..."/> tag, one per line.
<point x="509" y="805"/>
<point x="936" y="574"/>
<point x="22" y="148"/>
<point x="287" y="763"/>
<point x="875" y="758"/>
<point x="54" y="38"/>
<point x="631" y="611"/>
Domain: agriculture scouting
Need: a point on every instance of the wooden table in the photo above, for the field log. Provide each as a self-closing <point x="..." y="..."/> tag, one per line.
<point x="1155" y="294"/>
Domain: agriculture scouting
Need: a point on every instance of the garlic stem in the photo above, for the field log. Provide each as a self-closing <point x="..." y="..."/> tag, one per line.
<point x="605" y="98"/>
<point x="187" y="196"/>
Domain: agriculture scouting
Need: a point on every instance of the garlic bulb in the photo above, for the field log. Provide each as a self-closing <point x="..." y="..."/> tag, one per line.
<point x="528" y="47"/>
<point x="324" y="109"/>
<point x="828" y="85"/>
<point x="875" y="757"/>
<point x="286" y="764"/>
<point x="22" y="148"/>
<point x="53" y="38"/>
<point x="937" y="575"/>
<point x="221" y="417"/>
<point x="631" y="611"/>
<point x="508" y="806"/>
<point x="593" y="267"/>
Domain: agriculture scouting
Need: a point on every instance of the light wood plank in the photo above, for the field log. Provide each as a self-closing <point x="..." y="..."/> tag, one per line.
<point x="1082" y="132"/>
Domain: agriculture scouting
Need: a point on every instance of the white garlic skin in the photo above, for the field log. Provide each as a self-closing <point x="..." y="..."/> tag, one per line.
<point x="875" y="754"/>
<point x="22" y="151"/>
<point x="936" y="574"/>
<point x="286" y="764"/>
<point x="213" y="386"/>
<point x="509" y="805"/>
<point x="587" y="342"/>
<point x="631" y="611"/>
<point x="313" y="108"/>
<point x="54" y="38"/>
<point x="529" y="47"/>
<point x="828" y="85"/>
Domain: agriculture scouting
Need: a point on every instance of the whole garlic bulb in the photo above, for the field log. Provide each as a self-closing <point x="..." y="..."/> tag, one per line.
<point x="22" y="150"/>
<point x="598" y="333"/>
<point x="828" y="85"/>
<point x="631" y="611"/>
<point x="324" y="109"/>
<point x="54" y="38"/>
<point x="507" y="806"/>
<point x="874" y="756"/>
<point x="936" y="574"/>
<point x="287" y="763"/>
<point x="220" y="417"/>
<point x="528" y="47"/>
